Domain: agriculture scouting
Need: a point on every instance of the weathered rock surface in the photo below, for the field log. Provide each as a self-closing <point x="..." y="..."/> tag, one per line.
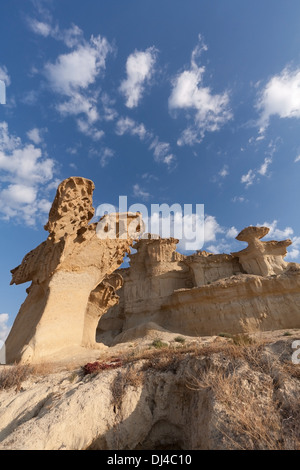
<point x="65" y="269"/>
<point x="209" y="395"/>
<point x="73" y="304"/>
<point x="205" y="293"/>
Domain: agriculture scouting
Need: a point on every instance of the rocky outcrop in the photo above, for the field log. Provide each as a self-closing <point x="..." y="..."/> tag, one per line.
<point x="68" y="269"/>
<point x="261" y="257"/>
<point x="73" y="303"/>
<point x="210" y="396"/>
<point x="204" y="293"/>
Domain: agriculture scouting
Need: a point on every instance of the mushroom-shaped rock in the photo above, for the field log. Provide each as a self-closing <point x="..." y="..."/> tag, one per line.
<point x="64" y="270"/>
<point x="263" y="258"/>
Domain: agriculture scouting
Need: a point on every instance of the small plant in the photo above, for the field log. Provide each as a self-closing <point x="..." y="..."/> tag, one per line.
<point x="158" y="343"/>
<point x="242" y="340"/>
<point x="14" y="376"/>
<point x="287" y="333"/>
<point x="179" y="339"/>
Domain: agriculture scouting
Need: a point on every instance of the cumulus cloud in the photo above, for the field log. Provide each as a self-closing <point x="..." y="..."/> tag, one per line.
<point x="139" y="70"/>
<point x="210" y="111"/>
<point x="275" y="232"/>
<point x="232" y="232"/>
<point x="73" y="77"/>
<point x="35" y="135"/>
<point x="25" y="171"/>
<point x="78" y="69"/>
<point x="280" y="97"/>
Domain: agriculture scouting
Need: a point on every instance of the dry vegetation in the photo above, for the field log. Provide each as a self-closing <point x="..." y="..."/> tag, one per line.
<point x="258" y="395"/>
<point x="14" y="376"/>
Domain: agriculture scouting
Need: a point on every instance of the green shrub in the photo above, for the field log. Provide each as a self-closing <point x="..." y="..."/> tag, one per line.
<point x="179" y="339"/>
<point x="158" y="343"/>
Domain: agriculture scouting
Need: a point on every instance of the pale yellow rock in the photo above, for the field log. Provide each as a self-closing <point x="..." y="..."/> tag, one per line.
<point x="260" y="257"/>
<point x="73" y="304"/>
<point x="64" y="270"/>
<point x="204" y="293"/>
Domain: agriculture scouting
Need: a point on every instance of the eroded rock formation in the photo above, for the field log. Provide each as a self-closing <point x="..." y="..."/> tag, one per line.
<point x="205" y="293"/>
<point x="65" y="269"/>
<point x="75" y="281"/>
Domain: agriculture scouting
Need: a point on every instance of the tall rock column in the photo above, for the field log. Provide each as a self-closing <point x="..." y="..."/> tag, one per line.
<point x="64" y="270"/>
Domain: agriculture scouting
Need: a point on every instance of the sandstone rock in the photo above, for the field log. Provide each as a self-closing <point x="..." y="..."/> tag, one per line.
<point x="73" y="304"/>
<point x="205" y="293"/>
<point x="261" y="258"/>
<point x="72" y="263"/>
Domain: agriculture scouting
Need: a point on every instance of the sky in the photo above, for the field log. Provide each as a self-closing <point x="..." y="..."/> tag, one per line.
<point x="194" y="102"/>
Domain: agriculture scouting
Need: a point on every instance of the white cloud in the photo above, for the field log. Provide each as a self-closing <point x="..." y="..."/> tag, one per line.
<point x="73" y="74"/>
<point x="211" y="111"/>
<point x="264" y="167"/>
<point x="40" y="27"/>
<point x="45" y="27"/>
<point x="239" y="199"/>
<point x="297" y="159"/>
<point x="129" y="126"/>
<point x="24" y="173"/>
<point x="248" y="178"/>
<point x="280" y="97"/>
<point x="224" y="171"/>
<point x="79" y="68"/>
<point x="89" y="130"/>
<point x="139" y="192"/>
<point x="275" y="232"/>
<point x="139" y="69"/>
<point x="4" y="75"/>
<point x="4" y="328"/>
<point x="109" y="113"/>
<point x="232" y="232"/>
<point x="76" y="104"/>
<point x="294" y="250"/>
<point x="106" y="155"/>
<point x="35" y="135"/>
<point x="282" y="234"/>
<point x="211" y="228"/>
<point x="162" y="152"/>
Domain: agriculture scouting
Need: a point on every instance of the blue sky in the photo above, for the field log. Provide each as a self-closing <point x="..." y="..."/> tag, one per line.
<point x="162" y="101"/>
